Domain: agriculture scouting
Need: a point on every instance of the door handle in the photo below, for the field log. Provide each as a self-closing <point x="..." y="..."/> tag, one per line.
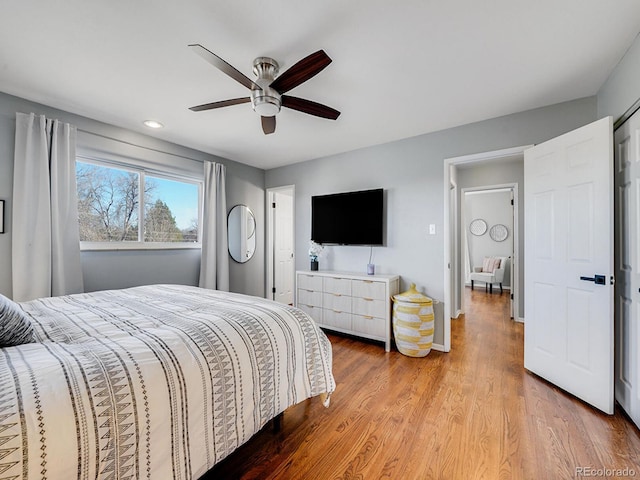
<point x="597" y="279"/>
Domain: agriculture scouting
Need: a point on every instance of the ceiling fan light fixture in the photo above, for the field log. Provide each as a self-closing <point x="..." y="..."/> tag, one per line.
<point x="266" y="101"/>
<point x="266" y="105"/>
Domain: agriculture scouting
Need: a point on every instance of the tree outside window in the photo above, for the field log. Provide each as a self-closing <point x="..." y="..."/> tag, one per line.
<point x="109" y="206"/>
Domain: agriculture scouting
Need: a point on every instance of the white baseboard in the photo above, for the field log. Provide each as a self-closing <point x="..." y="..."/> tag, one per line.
<point x="438" y="347"/>
<point x="519" y="319"/>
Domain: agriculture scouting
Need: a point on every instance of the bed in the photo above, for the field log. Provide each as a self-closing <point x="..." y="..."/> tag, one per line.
<point x="158" y="382"/>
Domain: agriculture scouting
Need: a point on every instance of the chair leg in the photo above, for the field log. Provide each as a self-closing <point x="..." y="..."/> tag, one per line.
<point x="500" y="288"/>
<point x="491" y="288"/>
<point x="471" y="284"/>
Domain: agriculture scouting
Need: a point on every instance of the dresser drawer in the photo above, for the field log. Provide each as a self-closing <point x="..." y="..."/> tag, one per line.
<point x="368" y="289"/>
<point x="369" y="307"/>
<point x="313" y="312"/>
<point x="341" y="286"/>
<point x="336" y="301"/>
<point x="369" y="325"/>
<point x="309" y="297"/>
<point x="310" y="282"/>
<point x="332" y="318"/>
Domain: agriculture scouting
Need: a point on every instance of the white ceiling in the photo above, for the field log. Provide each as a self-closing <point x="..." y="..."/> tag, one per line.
<point x="399" y="69"/>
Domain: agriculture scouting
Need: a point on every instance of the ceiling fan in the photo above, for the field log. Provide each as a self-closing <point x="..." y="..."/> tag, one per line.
<point x="268" y="92"/>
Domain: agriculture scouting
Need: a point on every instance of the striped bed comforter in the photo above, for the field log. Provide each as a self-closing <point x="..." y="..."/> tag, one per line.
<point x="157" y="382"/>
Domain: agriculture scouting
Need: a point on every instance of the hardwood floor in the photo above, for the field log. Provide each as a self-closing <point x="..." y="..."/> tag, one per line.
<point x="474" y="413"/>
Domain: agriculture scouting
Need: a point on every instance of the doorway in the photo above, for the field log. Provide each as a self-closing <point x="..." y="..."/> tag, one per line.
<point x="280" y="244"/>
<point x="492" y="168"/>
<point x="488" y="220"/>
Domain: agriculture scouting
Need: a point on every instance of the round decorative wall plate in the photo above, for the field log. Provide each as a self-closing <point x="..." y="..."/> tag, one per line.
<point x="498" y="233"/>
<point x="478" y="227"/>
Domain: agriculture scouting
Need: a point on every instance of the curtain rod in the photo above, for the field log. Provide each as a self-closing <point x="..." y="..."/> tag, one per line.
<point x="146" y="148"/>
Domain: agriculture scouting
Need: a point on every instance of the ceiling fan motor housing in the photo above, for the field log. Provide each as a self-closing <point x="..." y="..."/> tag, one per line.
<point x="265" y="102"/>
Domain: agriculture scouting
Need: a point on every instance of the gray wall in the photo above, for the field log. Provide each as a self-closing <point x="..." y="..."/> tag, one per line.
<point x="245" y="185"/>
<point x="118" y="269"/>
<point x="499" y="173"/>
<point x="411" y="172"/>
<point x="622" y="88"/>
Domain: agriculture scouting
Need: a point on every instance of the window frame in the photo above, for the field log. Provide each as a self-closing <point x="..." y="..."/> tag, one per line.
<point x="143" y="172"/>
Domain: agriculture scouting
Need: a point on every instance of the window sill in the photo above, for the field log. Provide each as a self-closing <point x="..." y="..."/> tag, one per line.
<point x="115" y="246"/>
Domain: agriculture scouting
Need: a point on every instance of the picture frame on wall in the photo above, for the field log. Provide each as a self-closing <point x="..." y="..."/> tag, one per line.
<point x="1" y="216"/>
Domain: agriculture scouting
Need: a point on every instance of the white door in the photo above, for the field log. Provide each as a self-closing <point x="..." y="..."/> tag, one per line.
<point x="627" y="289"/>
<point x="569" y="262"/>
<point x="284" y="268"/>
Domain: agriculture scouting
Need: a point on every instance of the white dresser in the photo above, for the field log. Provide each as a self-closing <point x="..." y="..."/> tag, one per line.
<point x="347" y="302"/>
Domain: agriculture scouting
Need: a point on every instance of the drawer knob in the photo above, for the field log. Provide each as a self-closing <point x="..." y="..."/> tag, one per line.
<point x="368" y="299"/>
<point x="368" y="317"/>
<point x="337" y="311"/>
<point x="337" y="294"/>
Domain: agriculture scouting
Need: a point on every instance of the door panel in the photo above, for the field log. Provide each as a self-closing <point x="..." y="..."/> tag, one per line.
<point x="627" y="338"/>
<point x="569" y="238"/>
<point x="580" y="223"/>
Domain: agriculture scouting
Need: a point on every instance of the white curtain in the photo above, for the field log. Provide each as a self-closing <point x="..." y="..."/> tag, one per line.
<point x="214" y="266"/>
<point x="46" y="245"/>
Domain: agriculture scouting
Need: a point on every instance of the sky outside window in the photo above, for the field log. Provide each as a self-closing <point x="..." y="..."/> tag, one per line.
<point x="180" y="197"/>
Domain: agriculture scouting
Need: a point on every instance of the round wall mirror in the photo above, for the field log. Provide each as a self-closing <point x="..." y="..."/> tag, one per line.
<point x="241" y="231"/>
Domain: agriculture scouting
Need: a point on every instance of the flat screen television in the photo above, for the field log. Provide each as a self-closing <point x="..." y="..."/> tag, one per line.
<point x="352" y="218"/>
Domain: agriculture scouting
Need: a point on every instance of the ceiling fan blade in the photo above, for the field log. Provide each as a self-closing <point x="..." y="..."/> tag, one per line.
<point x="307" y="106"/>
<point x="302" y="71"/>
<point x="223" y="103"/>
<point x="222" y="65"/>
<point x="268" y="125"/>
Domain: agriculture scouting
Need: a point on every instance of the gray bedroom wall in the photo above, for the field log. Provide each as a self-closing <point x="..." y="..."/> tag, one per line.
<point x="411" y="172"/>
<point x="498" y="173"/>
<point x="245" y="185"/>
<point x="622" y="88"/>
<point x="118" y="269"/>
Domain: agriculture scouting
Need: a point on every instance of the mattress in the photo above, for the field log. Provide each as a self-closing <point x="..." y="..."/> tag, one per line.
<point x="158" y="382"/>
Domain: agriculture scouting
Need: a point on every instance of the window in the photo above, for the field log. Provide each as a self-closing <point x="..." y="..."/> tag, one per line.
<point x="128" y="207"/>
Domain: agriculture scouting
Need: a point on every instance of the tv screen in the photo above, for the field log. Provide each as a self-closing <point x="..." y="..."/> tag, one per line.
<point x="353" y="218"/>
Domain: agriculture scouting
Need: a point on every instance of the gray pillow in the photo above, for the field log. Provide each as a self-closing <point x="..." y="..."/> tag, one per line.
<point x="15" y="325"/>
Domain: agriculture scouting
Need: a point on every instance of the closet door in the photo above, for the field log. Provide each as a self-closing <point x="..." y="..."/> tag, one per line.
<point x="627" y="261"/>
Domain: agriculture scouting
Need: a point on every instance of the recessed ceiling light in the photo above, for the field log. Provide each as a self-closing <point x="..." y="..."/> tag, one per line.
<point x="153" y="124"/>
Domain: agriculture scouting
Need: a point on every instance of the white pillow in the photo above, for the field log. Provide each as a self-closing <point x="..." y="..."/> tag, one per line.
<point x="15" y="325"/>
<point x="490" y="264"/>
